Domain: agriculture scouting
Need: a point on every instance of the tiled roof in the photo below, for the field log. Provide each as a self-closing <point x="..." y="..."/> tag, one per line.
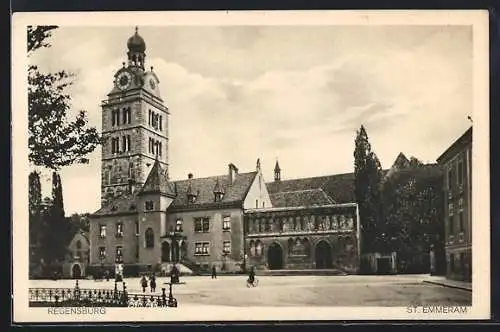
<point x="234" y="194"/>
<point x="339" y="187"/>
<point x="310" y="197"/>
<point x="157" y="182"/>
<point x="124" y="204"/>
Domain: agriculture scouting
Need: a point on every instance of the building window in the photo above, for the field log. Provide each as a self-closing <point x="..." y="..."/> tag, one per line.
<point x="450" y="209"/>
<point x="161" y="123"/>
<point x="452" y="263"/>
<point x="148" y="205"/>
<point x="226" y="247"/>
<point x="252" y="248"/>
<point x="102" y="231"/>
<point x="178" y="225"/>
<point x="202" y="248"/>
<point x="258" y="248"/>
<point x="150" y="238"/>
<point x="115" y="145"/>
<point x="126" y="143"/>
<point x="460" y="174"/>
<point x="119" y="229"/>
<point x="119" y="253"/>
<point x="78" y="245"/>
<point x="102" y="253"/>
<point x="263" y="205"/>
<point x="450" y="177"/>
<point x="226" y="224"/>
<point x="202" y="225"/>
<point x="451" y="226"/>
<point x="149" y="117"/>
<point x="115" y="117"/>
<point x="136" y="228"/>
<point x="256" y="203"/>
<point x="159" y="149"/>
<point x="126" y="115"/>
<point x="461" y="214"/>
<point x="461" y="221"/>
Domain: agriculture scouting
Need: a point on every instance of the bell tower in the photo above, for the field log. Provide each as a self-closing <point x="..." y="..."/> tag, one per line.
<point x="134" y="125"/>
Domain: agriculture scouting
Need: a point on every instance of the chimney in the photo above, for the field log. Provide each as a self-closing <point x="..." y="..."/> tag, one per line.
<point x="233" y="171"/>
<point x="190" y="175"/>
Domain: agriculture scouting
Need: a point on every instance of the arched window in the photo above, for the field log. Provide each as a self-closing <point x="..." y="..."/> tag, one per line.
<point x="258" y="248"/>
<point x="290" y="246"/>
<point x="150" y="238"/>
<point x="306" y="245"/>
<point x="252" y="248"/>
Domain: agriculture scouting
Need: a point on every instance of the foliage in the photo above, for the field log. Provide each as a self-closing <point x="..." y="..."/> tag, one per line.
<point x="367" y="189"/>
<point x="54" y="140"/>
<point x="79" y="222"/>
<point x="413" y="213"/>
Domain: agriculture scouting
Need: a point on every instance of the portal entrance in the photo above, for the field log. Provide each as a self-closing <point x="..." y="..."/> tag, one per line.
<point x="275" y="257"/>
<point x="175" y="251"/>
<point x="76" y="271"/>
<point x="165" y="252"/>
<point x="323" y="255"/>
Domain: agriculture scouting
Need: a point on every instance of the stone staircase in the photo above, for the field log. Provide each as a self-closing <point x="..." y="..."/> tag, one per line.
<point x="313" y="272"/>
<point x="183" y="269"/>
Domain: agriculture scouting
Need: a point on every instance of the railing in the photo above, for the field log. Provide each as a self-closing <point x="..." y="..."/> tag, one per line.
<point x="79" y="297"/>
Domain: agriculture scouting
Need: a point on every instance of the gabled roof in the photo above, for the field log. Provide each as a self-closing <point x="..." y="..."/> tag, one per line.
<point x="234" y="194"/>
<point x="339" y="187"/>
<point x="309" y="197"/>
<point x="463" y="140"/>
<point x="157" y="182"/>
<point x="125" y="204"/>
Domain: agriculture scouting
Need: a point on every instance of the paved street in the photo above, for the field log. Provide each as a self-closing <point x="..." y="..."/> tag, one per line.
<point x="296" y="290"/>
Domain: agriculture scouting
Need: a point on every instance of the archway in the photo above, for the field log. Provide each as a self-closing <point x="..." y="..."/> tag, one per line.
<point x="323" y="255"/>
<point x="76" y="271"/>
<point x="165" y="252"/>
<point x="275" y="257"/>
<point x="175" y="251"/>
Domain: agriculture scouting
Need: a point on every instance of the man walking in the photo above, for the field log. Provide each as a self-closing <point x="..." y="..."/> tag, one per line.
<point x="214" y="272"/>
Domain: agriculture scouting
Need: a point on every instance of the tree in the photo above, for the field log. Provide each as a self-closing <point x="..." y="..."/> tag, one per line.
<point x="413" y="212"/>
<point x="54" y="140"/>
<point x="35" y="200"/>
<point x="367" y="189"/>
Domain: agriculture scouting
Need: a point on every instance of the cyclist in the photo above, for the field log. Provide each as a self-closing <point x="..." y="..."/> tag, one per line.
<point x="251" y="275"/>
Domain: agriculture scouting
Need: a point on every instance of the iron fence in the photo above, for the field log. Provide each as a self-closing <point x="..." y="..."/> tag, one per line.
<point x="79" y="297"/>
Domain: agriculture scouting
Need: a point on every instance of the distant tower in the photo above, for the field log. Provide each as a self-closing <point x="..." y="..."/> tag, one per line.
<point x="257" y="167"/>
<point x="277" y="172"/>
<point x="134" y="125"/>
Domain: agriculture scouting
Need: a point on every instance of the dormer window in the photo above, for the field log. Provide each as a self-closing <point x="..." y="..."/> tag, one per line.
<point x="191" y="198"/>
<point x="218" y="191"/>
<point x="218" y="196"/>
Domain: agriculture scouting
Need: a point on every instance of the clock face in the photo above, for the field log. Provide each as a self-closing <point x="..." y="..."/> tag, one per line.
<point x="124" y="80"/>
<point x="152" y="83"/>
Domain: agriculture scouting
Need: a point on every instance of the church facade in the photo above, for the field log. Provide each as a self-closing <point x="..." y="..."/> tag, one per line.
<point x="149" y="222"/>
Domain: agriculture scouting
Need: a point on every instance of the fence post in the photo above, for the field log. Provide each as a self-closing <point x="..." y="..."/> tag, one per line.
<point x="164" y="297"/>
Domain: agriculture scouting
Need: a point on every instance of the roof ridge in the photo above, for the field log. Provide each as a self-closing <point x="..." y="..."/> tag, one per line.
<point x="300" y="190"/>
<point x="213" y="177"/>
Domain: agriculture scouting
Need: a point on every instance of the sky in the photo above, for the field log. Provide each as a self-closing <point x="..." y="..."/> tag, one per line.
<point x="293" y="94"/>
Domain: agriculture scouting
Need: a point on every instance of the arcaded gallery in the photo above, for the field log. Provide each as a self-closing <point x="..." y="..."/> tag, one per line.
<point x="296" y="238"/>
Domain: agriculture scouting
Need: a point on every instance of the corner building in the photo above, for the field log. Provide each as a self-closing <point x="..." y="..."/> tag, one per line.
<point x="456" y="162"/>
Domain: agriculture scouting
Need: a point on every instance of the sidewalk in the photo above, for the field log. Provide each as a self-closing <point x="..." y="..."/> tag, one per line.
<point x="442" y="281"/>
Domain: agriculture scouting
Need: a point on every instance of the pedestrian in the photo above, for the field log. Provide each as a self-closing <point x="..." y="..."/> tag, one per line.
<point x="107" y="275"/>
<point x="152" y="283"/>
<point x="214" y="272"/>
<point x="144" y="283"/>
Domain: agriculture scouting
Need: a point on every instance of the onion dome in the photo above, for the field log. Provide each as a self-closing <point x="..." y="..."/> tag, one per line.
<point x="136" y="43"/>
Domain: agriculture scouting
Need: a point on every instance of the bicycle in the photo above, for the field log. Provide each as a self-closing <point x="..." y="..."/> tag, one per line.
<point x="255" y="283"/>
